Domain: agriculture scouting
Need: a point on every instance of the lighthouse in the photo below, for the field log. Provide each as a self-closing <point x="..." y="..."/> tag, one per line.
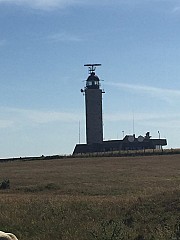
<point x="93" y="103"/>
<point x="94" y="124"/>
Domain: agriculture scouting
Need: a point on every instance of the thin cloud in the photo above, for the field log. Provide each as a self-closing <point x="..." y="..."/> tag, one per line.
<point x="64" y="37"/>
<point x="50" y="116"/>
<point x="162" y="93"/>
<point x="6" y="123"/>
<point x="39" y="4"/>
<point x="114" y="117"/>
<point x="53" y="4"/>
<point x="19" y="117"/>
<point x="45" y="4"/>
<point x="176" y="10"/>
<point x="141" y="117"/>
<point x="152" y="120"/>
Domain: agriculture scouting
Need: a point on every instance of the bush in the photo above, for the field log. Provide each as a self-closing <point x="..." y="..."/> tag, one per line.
<point x="5" y="184"/>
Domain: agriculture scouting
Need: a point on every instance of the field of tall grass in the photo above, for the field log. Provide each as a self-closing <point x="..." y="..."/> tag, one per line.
<point x="92" y="198"/>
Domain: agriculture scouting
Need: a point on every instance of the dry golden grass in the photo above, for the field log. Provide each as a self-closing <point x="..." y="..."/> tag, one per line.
<point x="76" y="198"/>
<point x="95" y="176"/>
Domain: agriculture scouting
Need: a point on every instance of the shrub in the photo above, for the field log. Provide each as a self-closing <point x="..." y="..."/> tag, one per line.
<point x="5" y="184"/>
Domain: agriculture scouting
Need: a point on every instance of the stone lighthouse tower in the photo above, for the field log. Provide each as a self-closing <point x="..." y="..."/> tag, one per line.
<point x="93" y="103"/>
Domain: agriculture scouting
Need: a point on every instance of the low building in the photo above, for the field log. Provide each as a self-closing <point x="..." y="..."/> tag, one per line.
<point x="129" y="142"/>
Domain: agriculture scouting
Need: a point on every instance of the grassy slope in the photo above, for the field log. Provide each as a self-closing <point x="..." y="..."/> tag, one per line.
<point x="84" y="198"/>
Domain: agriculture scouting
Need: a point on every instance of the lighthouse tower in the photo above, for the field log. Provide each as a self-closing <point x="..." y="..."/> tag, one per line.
<point x="94" y="124"/>
<point x="93" y="103"/>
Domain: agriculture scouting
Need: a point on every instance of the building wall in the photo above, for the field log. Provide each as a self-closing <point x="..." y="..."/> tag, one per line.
<point x="94" y="125"/>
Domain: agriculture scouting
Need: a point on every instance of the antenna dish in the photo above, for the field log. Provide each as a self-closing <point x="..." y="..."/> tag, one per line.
<point x="140" y="139"/>
<point x="131" y="138"/>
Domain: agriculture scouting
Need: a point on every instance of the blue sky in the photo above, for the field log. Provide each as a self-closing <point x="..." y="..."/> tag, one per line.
<point x="43" y="47"/>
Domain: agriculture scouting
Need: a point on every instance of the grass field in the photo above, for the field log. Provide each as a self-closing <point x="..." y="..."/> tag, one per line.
<point x="95" y="198"/>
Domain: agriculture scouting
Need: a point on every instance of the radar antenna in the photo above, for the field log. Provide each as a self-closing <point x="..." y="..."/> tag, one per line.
<point x="92" y="67"/>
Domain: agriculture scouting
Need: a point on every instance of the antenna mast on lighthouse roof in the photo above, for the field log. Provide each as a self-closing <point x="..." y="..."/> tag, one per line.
<point x="92" y="67"/>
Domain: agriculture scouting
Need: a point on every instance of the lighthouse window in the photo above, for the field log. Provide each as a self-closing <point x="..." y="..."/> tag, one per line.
<point x="96" y="82"/>
<point x="89" y="83"/>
